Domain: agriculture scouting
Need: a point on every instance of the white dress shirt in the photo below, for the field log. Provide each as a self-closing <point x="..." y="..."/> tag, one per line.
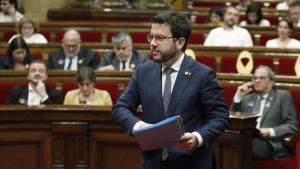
<point x="232" y="37"/>
<point x="34" y="98"/>
<point x="8" y="18"/>
<point x="36" y="38"/>
<point x="127" y="66"/>
<point x="74" y="63"/>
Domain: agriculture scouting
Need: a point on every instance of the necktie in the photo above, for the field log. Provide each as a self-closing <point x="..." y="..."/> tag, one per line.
<point x="256" y="108"/>
<point x="70" y="63"/>
<point x="123" y="65"/>
<point x="167" y="88"/>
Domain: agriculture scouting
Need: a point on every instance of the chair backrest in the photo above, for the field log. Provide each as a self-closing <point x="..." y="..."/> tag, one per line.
<point x="228" y="64"/>
<point x="286" y="66"/>
<point x="86" y="36"/>
<point x="196" y="38"/>
<point x="209" y="61"/>
<point x="229" y="91"/>
<point x="265" y="37"/>
<point x="7" y="35"/>
<point x="5" y="88"/>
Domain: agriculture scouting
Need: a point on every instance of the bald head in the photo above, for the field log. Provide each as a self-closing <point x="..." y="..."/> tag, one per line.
<point x="71" y="42"/>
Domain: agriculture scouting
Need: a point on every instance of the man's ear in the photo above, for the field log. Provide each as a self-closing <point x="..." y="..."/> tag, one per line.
<point x="180" y="43"/>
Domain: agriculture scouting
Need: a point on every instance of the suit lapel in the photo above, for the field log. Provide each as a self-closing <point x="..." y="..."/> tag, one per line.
<point x="184" y="76"/>
<point x="268" y="104"/>
<point x="61" y="60"/>
<point x="23" y="98"/>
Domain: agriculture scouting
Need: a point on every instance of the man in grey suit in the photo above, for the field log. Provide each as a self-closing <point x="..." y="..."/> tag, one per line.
<point x="124" y="57"/>
<point x="277" y="115"/>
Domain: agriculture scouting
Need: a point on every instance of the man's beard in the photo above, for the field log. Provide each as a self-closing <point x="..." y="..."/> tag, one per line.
<point x="166" y="56"/>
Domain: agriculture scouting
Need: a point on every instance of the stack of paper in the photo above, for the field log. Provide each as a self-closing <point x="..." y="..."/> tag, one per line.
<point x="160" y="134"/>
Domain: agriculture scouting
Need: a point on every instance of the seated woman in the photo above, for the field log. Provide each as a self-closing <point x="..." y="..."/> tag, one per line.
<point x="284" y="29"/>
<point x="28" y="29"/>
<point x="215" y="16"/>
<point x="18" y="56"/>
<point x="254" y="16"/>
<point x="87" y="94"/>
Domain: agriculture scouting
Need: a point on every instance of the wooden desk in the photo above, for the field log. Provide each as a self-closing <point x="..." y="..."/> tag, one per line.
<point x="68" y="137"/>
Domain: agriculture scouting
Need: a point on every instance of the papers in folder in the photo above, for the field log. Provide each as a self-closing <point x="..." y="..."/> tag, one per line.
<point x="160" y="134"/>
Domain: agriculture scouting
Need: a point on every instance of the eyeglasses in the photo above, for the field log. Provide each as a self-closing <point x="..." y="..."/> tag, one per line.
<point x="254" y="78"/>
<point x="157" y="38"/>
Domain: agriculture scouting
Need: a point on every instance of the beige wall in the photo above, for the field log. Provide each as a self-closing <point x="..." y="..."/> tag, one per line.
<point x="39" y="8"/>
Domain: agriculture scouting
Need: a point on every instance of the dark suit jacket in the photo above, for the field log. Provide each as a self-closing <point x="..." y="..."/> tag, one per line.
<point x="111" y="59"/>
<point x="279" y="113"/>
<point x="19" y="95"/>
<point x="196" y="97"/>
<point x="86" y="57"/>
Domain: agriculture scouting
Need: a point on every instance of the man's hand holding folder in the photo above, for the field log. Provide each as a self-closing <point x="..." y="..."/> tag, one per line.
<point x="161" y="134"/>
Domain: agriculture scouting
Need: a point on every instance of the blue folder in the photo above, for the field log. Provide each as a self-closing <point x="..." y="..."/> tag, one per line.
<point x="160" y="134"/>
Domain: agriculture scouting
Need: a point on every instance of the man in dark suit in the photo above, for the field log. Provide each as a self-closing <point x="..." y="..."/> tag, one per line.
<point x="35" y="92"/>
<point x="277" y="115"/>
<point x="124" y="57"/>
<point x="173" y="84"/>
<point x="72" y="56"/>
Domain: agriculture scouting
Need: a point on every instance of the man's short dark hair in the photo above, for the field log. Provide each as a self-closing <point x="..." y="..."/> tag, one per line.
<point x="179" y="24"/>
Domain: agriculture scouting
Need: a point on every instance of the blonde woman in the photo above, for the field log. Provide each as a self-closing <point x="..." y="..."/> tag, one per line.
<point x="86" y="92"/>
<point x="28" y="29"/>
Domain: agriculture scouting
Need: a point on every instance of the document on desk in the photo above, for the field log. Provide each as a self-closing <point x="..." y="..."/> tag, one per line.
<point x="160" y="134"/>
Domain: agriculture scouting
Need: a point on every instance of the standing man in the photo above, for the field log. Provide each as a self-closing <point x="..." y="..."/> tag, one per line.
<point x="35" y="92"/>
<point x="9" y="11"/>
<point x="275" y="108"/>
<point x="72" y="56"/>
<point x="169" y="85"/>
<point x="230" y="34"/>
<point x="124" y="56"/>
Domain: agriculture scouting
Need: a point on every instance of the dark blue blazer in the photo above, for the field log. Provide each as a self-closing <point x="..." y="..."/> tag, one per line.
<point x="196" y="96"/>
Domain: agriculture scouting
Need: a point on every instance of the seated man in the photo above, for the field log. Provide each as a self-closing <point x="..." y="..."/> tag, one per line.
<point x="72" y="56"/>
<point x="124" y="57"/>
<point x="277" y="115"/>
<point x="230" y="34"/>
<point x="35" y="92"/>
<point x="9" y="11"/>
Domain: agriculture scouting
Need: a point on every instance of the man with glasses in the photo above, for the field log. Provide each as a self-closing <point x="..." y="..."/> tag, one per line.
<point x="72" y="56"/>
<point x="169" y="85"/>
<point x="124" y="57"/>
<point x="35" y="92"/>
<point x="230" y="34"/>
<point x="277" y="115"/>
<point x="9" y="11"/>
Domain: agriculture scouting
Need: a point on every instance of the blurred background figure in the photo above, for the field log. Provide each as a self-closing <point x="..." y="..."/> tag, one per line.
<point x="254" y="16"/>
<point x="284" y="5"/>
<point x="284" y="40"/>
<point x="215" y="16"/>
<point x="18" y="55"/>
<point x="230" y="34"/>
<point x="9" y="12"/>
<point x="72" y="56"/>
<point x="294" y="11"/>
<point x="243" y="4"/>
<point x="28" y="28"/>
<point x="86" y="92"/>
<point x="124" y="57"/>
<point x="36" y="91"/>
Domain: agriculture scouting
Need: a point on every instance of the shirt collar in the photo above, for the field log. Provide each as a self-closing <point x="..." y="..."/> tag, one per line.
<point x="176" y="65"/>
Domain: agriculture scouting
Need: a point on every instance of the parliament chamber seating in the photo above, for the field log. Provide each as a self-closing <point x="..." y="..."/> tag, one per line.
<point x="228" y="63"/>
<point x="86" y="36"/>
<point x="265" y="37"/>
<point x="209" y="61"/>
<point x="111" y="87"/>
<point x="286" y="66"/>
